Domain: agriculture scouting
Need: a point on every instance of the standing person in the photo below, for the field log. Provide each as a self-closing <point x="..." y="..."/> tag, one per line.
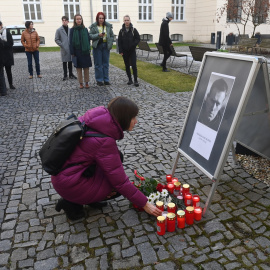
<point x="102" y="35"/>
<point x="62" y="40"/>
<point x="128" y="39"/>
<point x="3" y="89"/>
<point x="30" y="40"/>
<point x="8" y="59"/>
<point x="79" y="44"/>
<point x="164" y="39"/>
<point x="97" y="173"/>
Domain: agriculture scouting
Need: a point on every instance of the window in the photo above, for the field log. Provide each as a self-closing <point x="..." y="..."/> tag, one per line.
<point x="146" y="37"/>
<point x="110" y="9"/>
<point x="234" y="11"/>
<point x="177" y="37"/>
<point x="32" y="10"/>
<point x="178" y="9"/>
<point x="71" y="8"/>
<point x="145" y="10"/>
<point x="260" y="11"/>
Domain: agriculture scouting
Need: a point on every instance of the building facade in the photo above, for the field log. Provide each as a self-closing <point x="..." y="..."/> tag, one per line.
<point x="194" y="20"/>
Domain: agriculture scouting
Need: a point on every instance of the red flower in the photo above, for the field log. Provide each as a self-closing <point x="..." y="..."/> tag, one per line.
<point x="142" y="178"/>
<point x="159" y="187"/>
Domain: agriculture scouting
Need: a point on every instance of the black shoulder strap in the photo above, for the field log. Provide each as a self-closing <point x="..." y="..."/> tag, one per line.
<point x="100" y="135"/>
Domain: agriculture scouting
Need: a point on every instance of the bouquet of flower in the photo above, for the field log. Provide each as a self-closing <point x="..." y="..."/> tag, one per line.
<point x="152" y="189"/>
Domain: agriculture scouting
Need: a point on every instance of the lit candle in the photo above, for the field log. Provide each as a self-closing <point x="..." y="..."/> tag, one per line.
<point x="160" y="205"/>
<point x="169" y="178"/>
<point x="170" y="187"/>
<point x="171" y="208"/>
<point x="190" y="215"/>
<point x="196" y="201"/>
<point x="171" y="222"/>
<point x="174" y="180"/>
<point x="198" y="213"/>
<point x="177" y="186"/>
<point x="188" y="199"/>
<point x="181" y="219"/>
<point x="161" y="226"/>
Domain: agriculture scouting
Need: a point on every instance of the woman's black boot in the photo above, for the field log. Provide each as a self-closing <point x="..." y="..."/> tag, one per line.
<point x="73" y="211"/>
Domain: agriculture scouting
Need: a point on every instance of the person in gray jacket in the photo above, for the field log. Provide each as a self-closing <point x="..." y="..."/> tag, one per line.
<point x="62" y="40"/>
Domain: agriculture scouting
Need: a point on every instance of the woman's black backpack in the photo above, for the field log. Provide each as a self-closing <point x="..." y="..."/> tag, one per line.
<point x="62" y="143"/>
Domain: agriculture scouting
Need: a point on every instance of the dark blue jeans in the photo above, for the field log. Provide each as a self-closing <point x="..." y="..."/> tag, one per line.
<point x="30" y="65"/>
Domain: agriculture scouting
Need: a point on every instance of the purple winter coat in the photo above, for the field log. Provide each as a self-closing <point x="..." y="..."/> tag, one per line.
<point x="109" y="172"/>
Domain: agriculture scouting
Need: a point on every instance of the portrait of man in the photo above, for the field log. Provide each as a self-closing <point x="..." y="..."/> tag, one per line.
<point x="214" y="103"/>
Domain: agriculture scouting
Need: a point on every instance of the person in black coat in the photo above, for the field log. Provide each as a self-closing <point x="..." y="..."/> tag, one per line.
<point x="8" y="59"/>
<point x="164" y="40"/>
<point x="3" y="89"/>
<point x="128" y="39"/>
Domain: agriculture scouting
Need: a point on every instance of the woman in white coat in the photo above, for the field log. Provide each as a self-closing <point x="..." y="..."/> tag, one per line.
<point x="62" y="40"/>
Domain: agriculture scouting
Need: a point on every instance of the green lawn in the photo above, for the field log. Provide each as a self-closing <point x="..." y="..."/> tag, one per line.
<point x="171" y="82"/>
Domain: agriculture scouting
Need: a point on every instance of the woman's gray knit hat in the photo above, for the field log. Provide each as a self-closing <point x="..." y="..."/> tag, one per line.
<point x="169" y="15"/>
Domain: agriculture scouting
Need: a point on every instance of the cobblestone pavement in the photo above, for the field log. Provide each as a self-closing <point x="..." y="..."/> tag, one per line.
<point x="234" y="235"/>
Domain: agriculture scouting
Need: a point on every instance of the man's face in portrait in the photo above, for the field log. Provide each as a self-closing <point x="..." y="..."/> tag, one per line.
<point x="214" y="103"/>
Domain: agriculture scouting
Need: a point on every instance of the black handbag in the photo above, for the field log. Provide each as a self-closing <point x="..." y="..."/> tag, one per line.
<point x="62" y="143"/>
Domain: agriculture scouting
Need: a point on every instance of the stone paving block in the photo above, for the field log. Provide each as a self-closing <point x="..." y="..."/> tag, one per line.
<point x="166" y="266"/>
<point x="4" y="258"/>
<point x="124" y="264"/>
<point x="48" y="264"/>
<point x="147" y="252"/>
<point x="78" y="254"/>
<point x="92" y="263"/>
<point x="129" y="252"/>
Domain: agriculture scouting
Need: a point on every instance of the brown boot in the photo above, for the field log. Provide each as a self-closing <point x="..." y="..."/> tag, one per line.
<point x="86" y="85"/>
<point x="81" y="85"/>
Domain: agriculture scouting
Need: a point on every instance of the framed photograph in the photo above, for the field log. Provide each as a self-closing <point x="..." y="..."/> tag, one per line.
<point x="221" y="91"/>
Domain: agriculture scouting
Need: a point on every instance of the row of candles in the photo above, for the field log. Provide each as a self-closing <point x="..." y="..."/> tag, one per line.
<point x="171" y="218"/>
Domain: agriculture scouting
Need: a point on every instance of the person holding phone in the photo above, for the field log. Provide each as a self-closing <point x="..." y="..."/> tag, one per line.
<point x="102" y="35"/>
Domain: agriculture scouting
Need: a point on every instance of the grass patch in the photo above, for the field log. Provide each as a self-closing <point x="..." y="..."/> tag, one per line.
<point x="49" y="49"/>
<point x="171" y="82"/>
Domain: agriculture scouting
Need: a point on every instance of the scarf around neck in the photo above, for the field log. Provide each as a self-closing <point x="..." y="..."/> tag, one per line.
<point x="82" y="43"/>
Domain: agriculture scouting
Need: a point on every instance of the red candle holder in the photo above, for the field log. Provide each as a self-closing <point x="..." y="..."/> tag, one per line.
<point x="169" y="178"/>
<point x="174" y="180"/>
<point x="170" y="187"/>
<point x="196" y="201"/>
<point x="190" y="215"/>
<point x="177" y="186"/>
<point x="160" y="205"/>
<point x="188" y="199"/>
<point x="198" y="213"/>
<point x="181" y="219"/>
<point x="171" y="222"/>
<point x="171" y="208"/>
<point x="161" y="225"/>
<point x="185" y="189"/>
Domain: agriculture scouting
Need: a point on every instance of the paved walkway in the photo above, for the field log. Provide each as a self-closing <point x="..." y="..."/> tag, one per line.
<point x="234" y="235"/>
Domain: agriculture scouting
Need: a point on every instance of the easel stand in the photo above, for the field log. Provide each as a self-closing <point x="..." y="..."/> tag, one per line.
<point x="244" y="116"/>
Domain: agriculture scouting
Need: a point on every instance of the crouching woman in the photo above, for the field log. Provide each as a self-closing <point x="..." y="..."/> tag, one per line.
<point x="94" y="170"/>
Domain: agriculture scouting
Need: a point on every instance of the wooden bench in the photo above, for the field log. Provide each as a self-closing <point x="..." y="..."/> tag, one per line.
<point x="244" y="45"/>
<point x="143" y="46"/>
<point x="264" y="45"/>
<point x="197" y="53"/>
